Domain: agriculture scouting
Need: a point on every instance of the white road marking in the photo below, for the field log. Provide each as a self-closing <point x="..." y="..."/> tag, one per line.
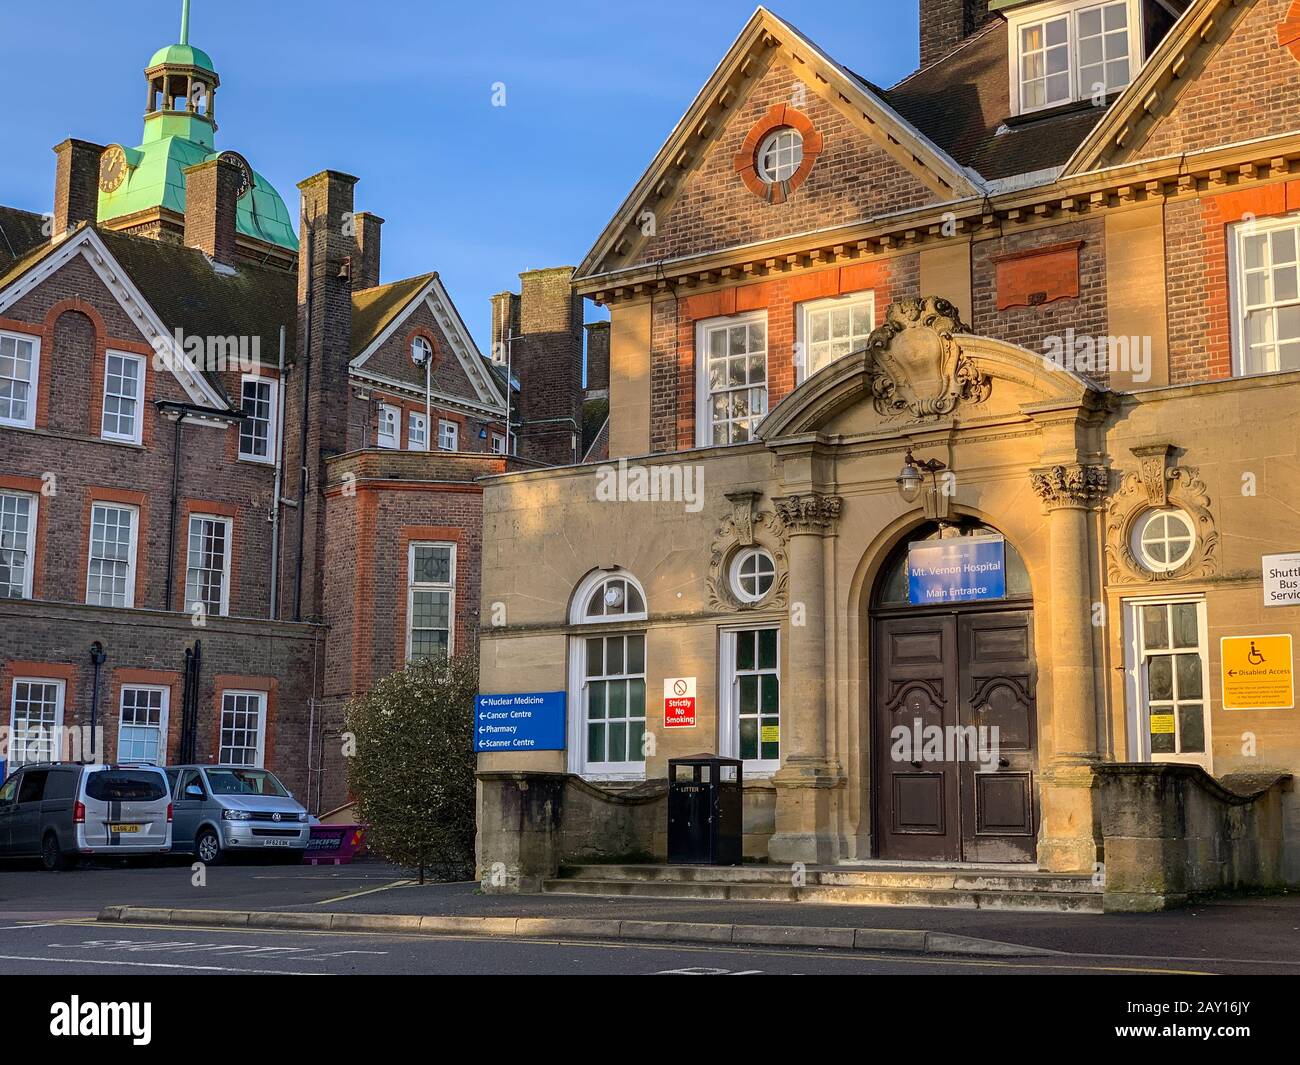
<point x="153" y="965"/>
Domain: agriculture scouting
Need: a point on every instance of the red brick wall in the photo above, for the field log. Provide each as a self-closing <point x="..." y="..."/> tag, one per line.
<point x="1250" y="89"/>
<point x="1029" y="326"/>
<point x="853" y="178"/>
<point x="77" y="320"/>
<point x="672" y="356"/>
<point x="1198" y="286"/>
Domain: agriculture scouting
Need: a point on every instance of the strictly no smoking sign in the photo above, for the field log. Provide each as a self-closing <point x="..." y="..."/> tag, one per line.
<point x="679" y="702"/>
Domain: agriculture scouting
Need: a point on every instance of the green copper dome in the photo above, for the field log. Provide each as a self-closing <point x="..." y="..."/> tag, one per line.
<point x="182" y="55"/>
<point x="179" y="132"/>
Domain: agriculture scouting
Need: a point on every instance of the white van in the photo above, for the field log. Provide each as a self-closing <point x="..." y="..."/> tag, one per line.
<point x="60" y="810"/>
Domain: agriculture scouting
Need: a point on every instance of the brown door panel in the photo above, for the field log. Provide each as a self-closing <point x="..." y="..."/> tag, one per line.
<point x="999" y="790"/>
<point x="918" y="809"/>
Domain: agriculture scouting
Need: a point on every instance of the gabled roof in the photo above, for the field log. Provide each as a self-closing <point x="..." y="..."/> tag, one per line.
<point x="378" y="311"/>
<point x="707" y="115"/>
<point x="373" y="309"/>
<point x="963" y="103"/>
<point x="20" y="233"/>
<point x="1194" y="38"/>
<point x="192" y="296"/>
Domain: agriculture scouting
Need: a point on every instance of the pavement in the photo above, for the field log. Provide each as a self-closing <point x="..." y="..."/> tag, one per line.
<point x="51" y="919"/>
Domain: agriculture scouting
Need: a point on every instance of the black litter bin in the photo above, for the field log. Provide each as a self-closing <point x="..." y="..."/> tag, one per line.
<point x="704" y="810"/>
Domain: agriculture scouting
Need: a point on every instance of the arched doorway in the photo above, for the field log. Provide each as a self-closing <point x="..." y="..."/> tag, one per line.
<point x="954" y="725"/>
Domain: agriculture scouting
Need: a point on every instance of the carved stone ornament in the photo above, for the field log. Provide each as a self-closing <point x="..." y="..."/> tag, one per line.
<point x="809" y="514"/>
<point x="1073" y="485"/>
<point x="1154" y="471"/>
<point x="916" y="367"/>
<point x="740" y="529"/>
<point x="1183" y="489"/>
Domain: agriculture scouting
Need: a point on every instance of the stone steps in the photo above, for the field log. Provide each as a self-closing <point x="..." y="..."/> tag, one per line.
<point x="971" y="888"/>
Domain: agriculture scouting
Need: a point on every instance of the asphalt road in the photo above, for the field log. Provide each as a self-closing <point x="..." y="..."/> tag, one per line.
<point x="28" y="893"/>
<point x="1247" y="936"/>
<point x="86" y="947"/>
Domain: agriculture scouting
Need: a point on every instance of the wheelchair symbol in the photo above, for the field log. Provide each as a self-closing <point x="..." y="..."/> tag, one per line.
<point x="1255" y="658"/>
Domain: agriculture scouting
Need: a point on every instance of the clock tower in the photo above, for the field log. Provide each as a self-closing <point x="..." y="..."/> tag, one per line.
<point x="142" y="189"/>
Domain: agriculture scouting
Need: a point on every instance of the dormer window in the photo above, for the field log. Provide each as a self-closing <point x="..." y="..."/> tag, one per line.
<point x="1065" y="53"/>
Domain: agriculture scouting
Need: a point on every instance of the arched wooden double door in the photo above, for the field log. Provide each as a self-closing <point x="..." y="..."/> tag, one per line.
<point x="954" y="721"/>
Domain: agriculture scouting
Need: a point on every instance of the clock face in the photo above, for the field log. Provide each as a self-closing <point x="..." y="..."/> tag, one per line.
<point x="112" y="168"/>
<point x="245" y="171"/>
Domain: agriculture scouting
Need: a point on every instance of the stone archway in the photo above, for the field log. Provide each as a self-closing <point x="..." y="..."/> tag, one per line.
<point x="925" y="380"/>
<point x="953" y="715"/>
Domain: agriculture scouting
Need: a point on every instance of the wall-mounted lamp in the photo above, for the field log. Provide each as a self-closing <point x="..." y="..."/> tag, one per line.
<point x="912" y="476"/>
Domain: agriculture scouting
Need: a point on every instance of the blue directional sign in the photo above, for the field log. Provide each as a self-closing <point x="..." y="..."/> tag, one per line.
<point x="965" y="569"/>
<point x="520" y="721"/>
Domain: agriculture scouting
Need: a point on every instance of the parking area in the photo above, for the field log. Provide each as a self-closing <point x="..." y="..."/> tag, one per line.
<point x="28" y="893"/>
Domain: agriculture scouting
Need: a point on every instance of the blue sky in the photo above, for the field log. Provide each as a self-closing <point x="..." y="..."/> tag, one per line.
<point x="399" y="93"/>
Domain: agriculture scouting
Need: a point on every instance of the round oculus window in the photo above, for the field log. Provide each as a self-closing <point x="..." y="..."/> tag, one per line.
<point x="421" y="351"/>
<point x="1164" y="539"/>
<point x="752" y="574"/>
<point x="779" y="155"/>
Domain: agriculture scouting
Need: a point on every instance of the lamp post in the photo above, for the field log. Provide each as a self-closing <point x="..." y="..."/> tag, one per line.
<point x="422" y="355"/>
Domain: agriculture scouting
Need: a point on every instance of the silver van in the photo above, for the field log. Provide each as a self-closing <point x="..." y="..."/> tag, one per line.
<point x="222" y="809"/>
<point x="61" y="810"/>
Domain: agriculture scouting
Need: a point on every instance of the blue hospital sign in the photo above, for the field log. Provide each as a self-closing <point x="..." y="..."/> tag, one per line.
<point x="521" y="721"/>
<point x="966" y="569"/>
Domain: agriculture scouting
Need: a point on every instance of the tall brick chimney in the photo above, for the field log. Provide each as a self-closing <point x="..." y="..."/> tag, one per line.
<point x="365" y="262"/>
<point x="547" y="360"/>
<point x="946" y="23"/>
<point x="505" y="322"/>
<point x="76" y="184"/>
<point x="597" y="357"/>
<point x="211" y="202"/>
<point x="319" y="382"/>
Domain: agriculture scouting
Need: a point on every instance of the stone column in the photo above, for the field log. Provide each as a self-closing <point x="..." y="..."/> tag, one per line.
<point x="804" y="782"/>
<point x="1068" y="834"/>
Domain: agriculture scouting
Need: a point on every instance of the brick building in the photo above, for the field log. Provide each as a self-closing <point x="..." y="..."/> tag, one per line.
<point x="1038" y="299"/>
<point x="235" y="463"/>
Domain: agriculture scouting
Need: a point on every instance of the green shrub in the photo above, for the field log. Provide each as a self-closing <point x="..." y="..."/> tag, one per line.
<point x="412" y="773"/>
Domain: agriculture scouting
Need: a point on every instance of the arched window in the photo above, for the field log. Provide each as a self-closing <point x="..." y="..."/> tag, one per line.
<point x="608" y="596"/>
<point x="607" y="679"/>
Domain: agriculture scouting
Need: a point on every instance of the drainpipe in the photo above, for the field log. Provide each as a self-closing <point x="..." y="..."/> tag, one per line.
<point x="275" y="502"/>
<point x="97" y="659"/>
<point x="302" y="437"/>
<point x="179" y="420"/>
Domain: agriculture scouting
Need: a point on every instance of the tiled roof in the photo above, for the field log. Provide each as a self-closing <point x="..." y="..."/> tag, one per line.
<point x="20" y="233"/>
<point x="374" y="308"/>
<point x="963" y="103"/>
<point x="192" y="295"/>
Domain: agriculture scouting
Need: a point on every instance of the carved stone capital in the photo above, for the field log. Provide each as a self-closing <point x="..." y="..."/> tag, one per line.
<point x="808" y="514"/>
<point x="1074" y="485"/>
